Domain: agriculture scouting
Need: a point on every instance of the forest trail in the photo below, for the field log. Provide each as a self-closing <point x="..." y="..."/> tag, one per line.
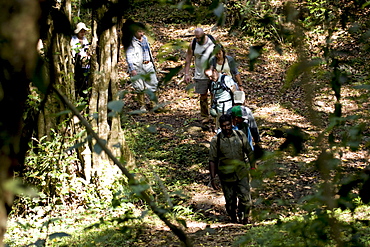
<point x="263" y="95"/>
<point x="274" y="108"/>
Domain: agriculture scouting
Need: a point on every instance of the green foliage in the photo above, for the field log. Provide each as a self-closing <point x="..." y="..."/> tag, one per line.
<point x="258" y="20"/>
<point x="316" y="14"/>
<point x="50" y="168"/>
<point x="310" y="230"/>
<point x="148" y="145"/>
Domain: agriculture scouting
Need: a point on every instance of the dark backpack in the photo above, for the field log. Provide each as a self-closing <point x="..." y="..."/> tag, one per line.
<point x="194" y="42"/>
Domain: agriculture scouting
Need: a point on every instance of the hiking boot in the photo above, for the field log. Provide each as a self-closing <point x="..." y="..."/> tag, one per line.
<point x="245" y="221"/>
<point x="234" y="220"/>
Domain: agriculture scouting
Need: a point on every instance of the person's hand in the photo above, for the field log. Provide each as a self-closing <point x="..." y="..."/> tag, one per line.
<point x="253" y="172"/>
<point x="187" y="78"/>
<point x="258" y="151"/>
<point x="133" y="72"/>
<point x="214" y="185"/>
<point x="241" y="88"/>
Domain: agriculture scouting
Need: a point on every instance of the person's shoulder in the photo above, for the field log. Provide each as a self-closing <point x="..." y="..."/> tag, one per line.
<point x="214" y="139"/>
<point x="211" y="40"/>
<point x="239" y="132"/>
<point x="229" y="58"/>
<point x="229" y="79"/>
<point x="245" y="109"/>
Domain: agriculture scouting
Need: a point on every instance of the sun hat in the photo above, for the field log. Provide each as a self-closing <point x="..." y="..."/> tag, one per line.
<point x="239" y="97"/>
<point x="81" y="26"/>
<point x="236" y="111"/>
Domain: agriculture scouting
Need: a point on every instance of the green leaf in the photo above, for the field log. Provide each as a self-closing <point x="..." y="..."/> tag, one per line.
<point x="117" y="145"/>
<point x="40" y="243"/>
<point x="39" y="79"/>
<point x="172" y="73"/>
<point x="138" y="188"/>
<point x="190" y="87"/>
<point x="219" y="10"/>
<point x="62" y="113"/>
<point x="115" y="105"/>
<point x="151" y="95"/>
<point x="97" y="148"/>
<point x="77" y="145"/>
<point x="58" y="235"/>
<point x="152" y="129"/>
<point x="17" y="187"/>
<point x="367" y="87"/>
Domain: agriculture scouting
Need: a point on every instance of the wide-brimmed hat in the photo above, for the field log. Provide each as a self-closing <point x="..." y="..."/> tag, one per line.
<point x="81" y="26"/>
<point x="239" y="97"/>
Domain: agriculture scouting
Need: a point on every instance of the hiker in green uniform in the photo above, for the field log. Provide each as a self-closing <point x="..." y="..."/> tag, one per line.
<point x="231" y="158"/>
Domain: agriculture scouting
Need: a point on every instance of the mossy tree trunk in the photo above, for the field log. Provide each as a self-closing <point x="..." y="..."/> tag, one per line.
<point x="59" y="66"/>
<point x="104" y="76"/>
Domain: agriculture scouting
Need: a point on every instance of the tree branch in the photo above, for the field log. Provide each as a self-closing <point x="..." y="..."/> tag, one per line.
<point x="159" y="212"/>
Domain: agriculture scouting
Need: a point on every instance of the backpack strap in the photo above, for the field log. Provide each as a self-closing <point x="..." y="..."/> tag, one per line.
<point x="218" y="146"/>
<point x="241" y="138"/>
<point x="226" y="88"/>
<point x="219" y="149"/>
<point x="194" y="42"/>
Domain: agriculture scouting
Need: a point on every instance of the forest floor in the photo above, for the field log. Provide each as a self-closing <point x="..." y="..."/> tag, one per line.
<point x="283" y="180"/>
<point x="288" y="178"/>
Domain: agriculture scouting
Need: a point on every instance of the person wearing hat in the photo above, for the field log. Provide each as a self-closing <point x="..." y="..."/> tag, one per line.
<point x="140" y="62"/>
<point x="81" y="57"/>
<point x="243" y="118"/>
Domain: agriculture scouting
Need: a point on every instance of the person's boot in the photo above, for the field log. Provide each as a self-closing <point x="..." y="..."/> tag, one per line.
<point x="154" y="102"/>
<point x="233" y="219"/>
<point x="141" y="101"/>
<point x="204" y="110"/>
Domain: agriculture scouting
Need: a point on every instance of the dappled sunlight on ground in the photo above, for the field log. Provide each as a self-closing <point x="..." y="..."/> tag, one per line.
<point x="277" y="114"/>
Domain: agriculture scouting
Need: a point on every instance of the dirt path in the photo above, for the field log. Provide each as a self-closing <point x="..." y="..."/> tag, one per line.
<point x="262" y="89"/>
<point x="291" y="178"/>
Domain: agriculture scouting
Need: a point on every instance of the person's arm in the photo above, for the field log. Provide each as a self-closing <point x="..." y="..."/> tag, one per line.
<point x="235" y="72"/>
<point x="213" y="173"/>
<point x="130" y="60"/>
<point x="213" y="162"/>
<point x="189" y="57"/>
<point x="239" y="81"/>
<point x="255" y="135"/>
<point x="248" y="150"/>
<point x="230" y="83"/>
<point x="252" y="124"/>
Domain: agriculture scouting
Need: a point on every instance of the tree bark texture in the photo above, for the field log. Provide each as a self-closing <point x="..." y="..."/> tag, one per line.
<point x="104" y="79"/>
<point x="19" y="34"/>
<point x="60" y="69"/>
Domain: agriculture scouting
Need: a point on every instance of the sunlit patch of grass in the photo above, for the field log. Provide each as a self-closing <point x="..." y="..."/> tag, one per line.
<point x="304" y="230"/>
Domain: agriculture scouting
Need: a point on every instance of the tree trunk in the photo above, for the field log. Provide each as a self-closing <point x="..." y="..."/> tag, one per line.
<point x="19" y="35"/>
<point x="59" y="53"/>
<point x="104" y="78"/>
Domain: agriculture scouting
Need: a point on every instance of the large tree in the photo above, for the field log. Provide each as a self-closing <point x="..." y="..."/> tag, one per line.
<point x="19" y="34"/>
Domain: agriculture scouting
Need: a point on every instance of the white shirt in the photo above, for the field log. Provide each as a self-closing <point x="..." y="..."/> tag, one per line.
<point x="202" y="54"/>
<point x="78" y="48"/>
